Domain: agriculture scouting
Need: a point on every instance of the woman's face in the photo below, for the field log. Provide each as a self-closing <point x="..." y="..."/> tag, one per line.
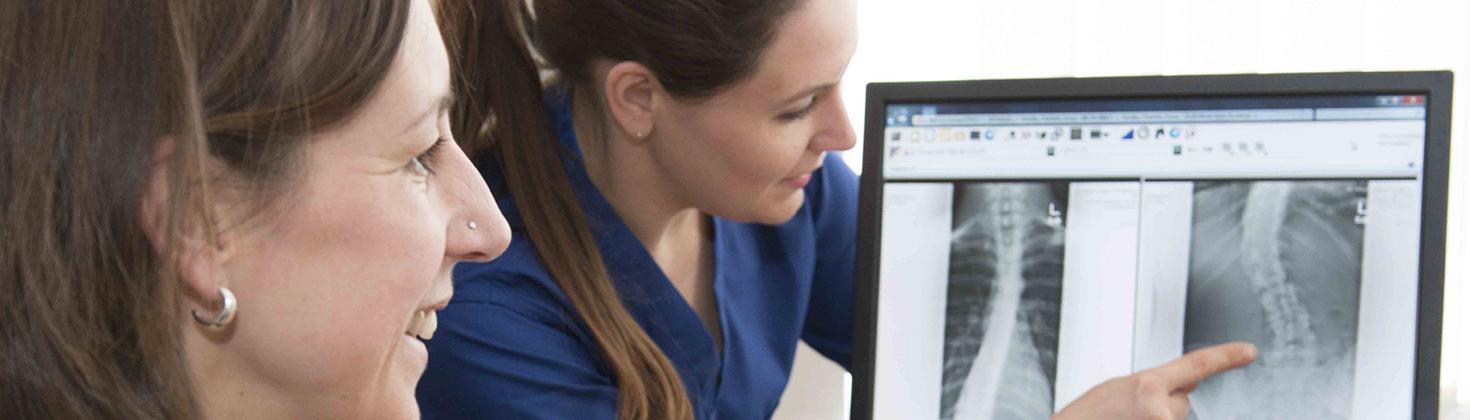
<point x="356" y="253"/>
<point x="746" y="153"/>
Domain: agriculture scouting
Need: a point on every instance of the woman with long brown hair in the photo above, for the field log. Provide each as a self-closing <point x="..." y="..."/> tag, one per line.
<point x="680" y="223"/>
<point x="226" y="209"/>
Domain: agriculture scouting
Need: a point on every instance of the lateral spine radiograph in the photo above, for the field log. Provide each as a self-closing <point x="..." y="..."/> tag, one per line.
<point x="1277" y="263"/>
<point x="1261" y="223"/>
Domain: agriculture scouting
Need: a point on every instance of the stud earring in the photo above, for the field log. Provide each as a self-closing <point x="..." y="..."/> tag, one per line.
<point x="474" y="226"/>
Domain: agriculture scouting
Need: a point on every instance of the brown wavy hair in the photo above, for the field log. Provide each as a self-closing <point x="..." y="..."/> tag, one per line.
<point x="89" y="92"/>
<point x="696" y="48"/>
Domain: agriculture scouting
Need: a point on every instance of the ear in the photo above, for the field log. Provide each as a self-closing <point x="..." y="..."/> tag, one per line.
<point x="194" y="254"/>
<point x="632" y="93"/>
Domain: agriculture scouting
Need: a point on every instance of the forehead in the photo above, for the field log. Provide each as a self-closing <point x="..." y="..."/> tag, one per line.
<point x="812" y="46"/>
<point x="416" y="80"/>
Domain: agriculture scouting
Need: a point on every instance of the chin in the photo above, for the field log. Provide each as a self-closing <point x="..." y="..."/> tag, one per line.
<point x="395" y="397"/>
<point x="778" y="211"/>
<point x="397" y="406"/>
<point x="410" y="410"/>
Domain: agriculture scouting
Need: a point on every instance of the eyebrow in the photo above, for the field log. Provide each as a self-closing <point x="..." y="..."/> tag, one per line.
<point x="444" y="102"/>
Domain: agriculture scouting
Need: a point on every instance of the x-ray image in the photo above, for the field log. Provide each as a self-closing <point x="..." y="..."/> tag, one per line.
<point x="1004" y="301"/>
<point x="1277" y="264"/>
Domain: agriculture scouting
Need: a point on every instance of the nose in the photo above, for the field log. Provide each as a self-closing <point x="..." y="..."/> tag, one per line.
<point x="477" y="230"/>
<point x="835" y="131"/>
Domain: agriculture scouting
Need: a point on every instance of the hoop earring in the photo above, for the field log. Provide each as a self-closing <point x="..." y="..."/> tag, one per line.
<point x="225" y="315"/>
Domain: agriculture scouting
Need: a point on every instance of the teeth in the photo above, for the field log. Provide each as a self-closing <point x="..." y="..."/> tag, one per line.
<point x="423" y="325"/>
<point x="431" y="324"/>
<point x="413" y="323"/>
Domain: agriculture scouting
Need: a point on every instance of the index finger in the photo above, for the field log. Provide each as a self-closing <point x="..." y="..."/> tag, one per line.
<point x="1188" y="371"/>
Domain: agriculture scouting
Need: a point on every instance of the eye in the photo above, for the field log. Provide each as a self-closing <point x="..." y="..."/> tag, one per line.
<point x="423" y="164"/>
<point x="800" y="113"/>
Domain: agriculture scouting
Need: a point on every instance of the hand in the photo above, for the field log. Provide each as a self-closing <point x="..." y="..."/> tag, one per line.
<point x="1161" y="393"/>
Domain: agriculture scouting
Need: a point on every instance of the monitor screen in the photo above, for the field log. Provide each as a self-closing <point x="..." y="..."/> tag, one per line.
<point x="1032" y="249"/>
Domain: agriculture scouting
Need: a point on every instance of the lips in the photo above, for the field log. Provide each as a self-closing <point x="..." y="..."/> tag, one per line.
<point x="798" y="182"/>
<point x="423" y="325"/>
<point x="804" y="177"/>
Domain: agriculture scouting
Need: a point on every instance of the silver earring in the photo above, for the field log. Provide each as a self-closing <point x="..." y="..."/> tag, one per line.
<point x="226" y="312"/>
<point x="474" y="226"/>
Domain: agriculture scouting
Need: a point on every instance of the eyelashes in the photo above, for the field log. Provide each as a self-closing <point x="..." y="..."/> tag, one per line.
<point x="423" y="164"/>
<point x="800" y="113"/>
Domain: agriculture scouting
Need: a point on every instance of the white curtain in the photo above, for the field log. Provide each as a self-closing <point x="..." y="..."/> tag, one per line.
<point x="909" y="40"/>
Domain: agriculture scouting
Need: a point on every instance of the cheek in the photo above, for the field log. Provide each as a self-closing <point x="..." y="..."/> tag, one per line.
<point x="754" y="155"/>
<point x="341" y="275"/>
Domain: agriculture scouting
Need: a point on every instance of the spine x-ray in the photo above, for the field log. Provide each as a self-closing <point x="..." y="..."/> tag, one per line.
<point x="1277" y="263"/>
<point x="1004" y="301"/>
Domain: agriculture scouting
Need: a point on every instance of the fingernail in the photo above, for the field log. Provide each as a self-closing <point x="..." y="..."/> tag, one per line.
<point x="1250" y="351"/>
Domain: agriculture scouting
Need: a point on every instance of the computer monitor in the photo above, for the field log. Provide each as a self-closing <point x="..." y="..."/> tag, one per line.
<point x="1022" y="241"/>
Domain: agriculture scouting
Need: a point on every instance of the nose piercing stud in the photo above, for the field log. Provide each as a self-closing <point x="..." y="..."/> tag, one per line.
<point x="474" y="226"/>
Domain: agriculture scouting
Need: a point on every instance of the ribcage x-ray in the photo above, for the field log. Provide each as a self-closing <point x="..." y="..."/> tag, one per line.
<point x="1277" y="264"/>
<point x="1005" y="290"/>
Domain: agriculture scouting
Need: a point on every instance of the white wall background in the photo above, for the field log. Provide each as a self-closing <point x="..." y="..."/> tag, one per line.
<point x="911" y="40"/>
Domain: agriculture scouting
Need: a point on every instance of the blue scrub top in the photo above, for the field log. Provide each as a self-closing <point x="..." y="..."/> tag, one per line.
<point x="510" y="345"/>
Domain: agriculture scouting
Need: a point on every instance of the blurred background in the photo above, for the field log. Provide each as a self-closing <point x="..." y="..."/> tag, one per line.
<point x="916" y="40"/>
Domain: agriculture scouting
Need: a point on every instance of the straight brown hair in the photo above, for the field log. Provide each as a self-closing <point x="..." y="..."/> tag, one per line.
<point x="696" y="48"/>
<point x="89" y="93"/>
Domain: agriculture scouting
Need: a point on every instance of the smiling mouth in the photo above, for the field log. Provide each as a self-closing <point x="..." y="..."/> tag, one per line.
<point x="424" y="323"/>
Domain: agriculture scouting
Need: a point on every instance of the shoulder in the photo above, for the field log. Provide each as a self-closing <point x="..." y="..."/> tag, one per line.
<point x="515" y="281"/>
<point x="512" y="311"/>
<point x="509" y="345"/>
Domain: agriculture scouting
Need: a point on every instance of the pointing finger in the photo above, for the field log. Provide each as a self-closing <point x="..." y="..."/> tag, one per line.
<point x="1186" y="372"/>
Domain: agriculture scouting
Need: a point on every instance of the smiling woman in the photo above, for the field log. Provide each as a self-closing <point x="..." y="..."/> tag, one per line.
<point x="233" y="209"/>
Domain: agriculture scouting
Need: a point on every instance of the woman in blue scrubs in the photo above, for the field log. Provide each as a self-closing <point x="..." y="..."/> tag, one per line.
<point x="679" y="223"/>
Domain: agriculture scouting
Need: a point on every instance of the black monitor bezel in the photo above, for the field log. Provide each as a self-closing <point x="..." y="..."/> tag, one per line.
<point x="1436" y="85"/>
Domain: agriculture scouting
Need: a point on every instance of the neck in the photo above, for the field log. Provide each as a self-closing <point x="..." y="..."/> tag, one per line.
<point x="676" y="234"/>
<point x="668" y="227"/>
<point x="224" y="393"/>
